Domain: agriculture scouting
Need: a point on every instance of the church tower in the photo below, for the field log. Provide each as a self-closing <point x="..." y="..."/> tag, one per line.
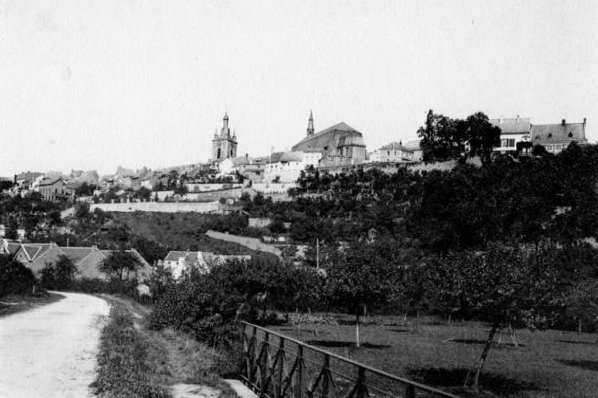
<point x="224" y="145"/>
<point x="310" y="124"/>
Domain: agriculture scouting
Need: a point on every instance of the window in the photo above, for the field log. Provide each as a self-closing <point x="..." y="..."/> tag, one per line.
<point x="570" y="134"/>
<point x="550" y="135"/>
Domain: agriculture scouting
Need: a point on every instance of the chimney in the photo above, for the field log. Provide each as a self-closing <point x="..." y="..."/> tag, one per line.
<point x="563" y="122"/>
<point x="584" y="121"/>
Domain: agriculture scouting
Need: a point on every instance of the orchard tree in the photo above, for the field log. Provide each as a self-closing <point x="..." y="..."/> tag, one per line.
<point x="120" y="264"/>
<point x="503" y="287"/>
<point x="363" y="275"/>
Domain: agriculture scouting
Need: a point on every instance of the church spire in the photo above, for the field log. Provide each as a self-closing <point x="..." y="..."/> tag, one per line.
<point x="225" y="132"/>
<point x="310" y="124"/>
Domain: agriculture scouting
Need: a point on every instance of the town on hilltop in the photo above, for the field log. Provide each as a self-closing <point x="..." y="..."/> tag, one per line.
<point x="226" y="175"/>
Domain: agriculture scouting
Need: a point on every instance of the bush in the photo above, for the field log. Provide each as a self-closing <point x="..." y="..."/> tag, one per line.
<point x="15" y="278"/>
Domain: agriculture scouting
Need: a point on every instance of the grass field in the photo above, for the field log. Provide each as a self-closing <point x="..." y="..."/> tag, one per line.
<point x="13" y="304"/>
<point x="547" y="363"/>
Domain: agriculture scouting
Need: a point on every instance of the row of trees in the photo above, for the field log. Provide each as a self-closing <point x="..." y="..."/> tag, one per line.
<point x="445" y="138"/>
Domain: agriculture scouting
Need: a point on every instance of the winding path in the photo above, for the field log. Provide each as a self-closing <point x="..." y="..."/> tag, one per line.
<point x="51" y="351"/>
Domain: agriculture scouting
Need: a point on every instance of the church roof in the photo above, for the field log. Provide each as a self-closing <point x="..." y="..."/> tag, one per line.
<point x="327" y="139"/>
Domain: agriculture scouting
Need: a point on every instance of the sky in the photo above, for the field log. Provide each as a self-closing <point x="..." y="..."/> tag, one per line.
<point x="97" y="84"/>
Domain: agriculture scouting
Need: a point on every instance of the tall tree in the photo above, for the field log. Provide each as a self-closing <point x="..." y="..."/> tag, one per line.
<point x="482" y="136"/>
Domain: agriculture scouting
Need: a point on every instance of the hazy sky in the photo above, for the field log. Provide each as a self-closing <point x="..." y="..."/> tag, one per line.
<point x="96" y="84"/>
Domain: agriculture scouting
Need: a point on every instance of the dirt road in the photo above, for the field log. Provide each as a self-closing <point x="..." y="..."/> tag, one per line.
<point x="51" y="351"/>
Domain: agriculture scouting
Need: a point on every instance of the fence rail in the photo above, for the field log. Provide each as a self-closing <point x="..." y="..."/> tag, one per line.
<point x="276" y="366"/>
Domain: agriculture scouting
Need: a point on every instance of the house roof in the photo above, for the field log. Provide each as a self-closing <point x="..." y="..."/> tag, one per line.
<point x="395" y="146"/>
<point x="175" y="255"/>
<point x="559" y="132"/>
<point x="50" y="181"/>
<point x="76" y="254"/>
<point x="413" y="145"/>
<point x="513" y="125"/>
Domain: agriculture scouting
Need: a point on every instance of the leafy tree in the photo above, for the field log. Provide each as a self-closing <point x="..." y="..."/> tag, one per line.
<point x="119" y="264"/>
<point x="362" y="276"/>
<point x="482" y="136"/>
<point x="442" y="137"/>
<point x="15" y="278"/>
<point x="59" y="275"/>
<point x="81" y="211"/>
<point x="503" y="286"/>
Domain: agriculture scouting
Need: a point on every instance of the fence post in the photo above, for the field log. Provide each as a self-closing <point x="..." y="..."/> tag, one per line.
<point x="326" y="381"/>
<point x="280" y="359"/>
<point x="299" y="379"/>
<point x="361" y="389"/>
<point x="409" y="391"/>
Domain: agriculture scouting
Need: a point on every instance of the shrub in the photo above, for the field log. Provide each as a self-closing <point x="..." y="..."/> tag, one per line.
<point x="15" y="278"/>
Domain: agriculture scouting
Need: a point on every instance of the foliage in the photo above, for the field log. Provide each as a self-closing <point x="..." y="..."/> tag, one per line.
<point x="15" y="278"/>
<point x="119" y="265"/>
<point x="59" y="275"/>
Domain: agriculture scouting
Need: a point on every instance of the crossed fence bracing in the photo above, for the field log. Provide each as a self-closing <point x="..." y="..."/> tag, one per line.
<point x="276" y="366"/>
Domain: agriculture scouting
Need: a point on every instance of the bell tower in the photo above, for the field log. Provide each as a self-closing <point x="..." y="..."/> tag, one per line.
<point x="224" y="145"/>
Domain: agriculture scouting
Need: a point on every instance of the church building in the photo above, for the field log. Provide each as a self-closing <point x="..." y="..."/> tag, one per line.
<point x="340" y="144"/>
<point x="224" y="145"/>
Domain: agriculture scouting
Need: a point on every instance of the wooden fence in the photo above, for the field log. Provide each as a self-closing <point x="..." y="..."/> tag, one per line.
<point x="276" y="366"/>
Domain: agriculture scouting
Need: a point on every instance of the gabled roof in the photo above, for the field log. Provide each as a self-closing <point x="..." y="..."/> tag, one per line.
<point x="339" y="127"/>
<point x="558" y="132"/>
<point x="513" y="125"/>
<point x="395" y="146"/>
<point x="76" y="254"/>
<point x="175" y="255"/>
<point x="34" y="250"/>
<point x="413" y="145"/>
<point x="50" y="181"/>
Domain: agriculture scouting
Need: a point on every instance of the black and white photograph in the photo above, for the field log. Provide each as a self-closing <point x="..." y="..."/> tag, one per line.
<point x="298" y="199"/>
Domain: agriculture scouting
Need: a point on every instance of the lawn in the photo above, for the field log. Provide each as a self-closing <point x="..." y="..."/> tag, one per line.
<point x="546" y="364"/>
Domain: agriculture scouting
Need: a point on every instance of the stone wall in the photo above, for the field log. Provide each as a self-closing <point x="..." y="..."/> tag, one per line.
<point x="162" y="207"/>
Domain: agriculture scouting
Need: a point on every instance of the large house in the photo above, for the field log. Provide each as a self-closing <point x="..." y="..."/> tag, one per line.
<point x="36" y="256"/>
<point x="287" y="166"/>
<point x="394" y="152"/>
<point x="338" y="145"/>
<point x="520" y="133"/>
<point x="556" y="137"/>
<point x="180" y="262"/>
<point x="512" y="132"/>
<point x="55" y="189"/>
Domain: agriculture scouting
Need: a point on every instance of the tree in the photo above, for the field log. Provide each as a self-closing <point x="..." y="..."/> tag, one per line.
<point x="482" y="136"/>
<point x="15" y="278"/>
<point x="362" y="276"/>
<point x="119" y="264"/>
<point x="503" y="286"/>
<point x="442" y="137"/>
<point x="59" y="275"/>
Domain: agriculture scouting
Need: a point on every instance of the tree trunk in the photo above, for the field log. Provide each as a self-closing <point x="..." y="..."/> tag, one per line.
<point x="579" y="325"/>
<point x="357" y="330"/>
<point x="513" y="336"/>
<point x="476" y="379"/>
<point x="450" y="316"/>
